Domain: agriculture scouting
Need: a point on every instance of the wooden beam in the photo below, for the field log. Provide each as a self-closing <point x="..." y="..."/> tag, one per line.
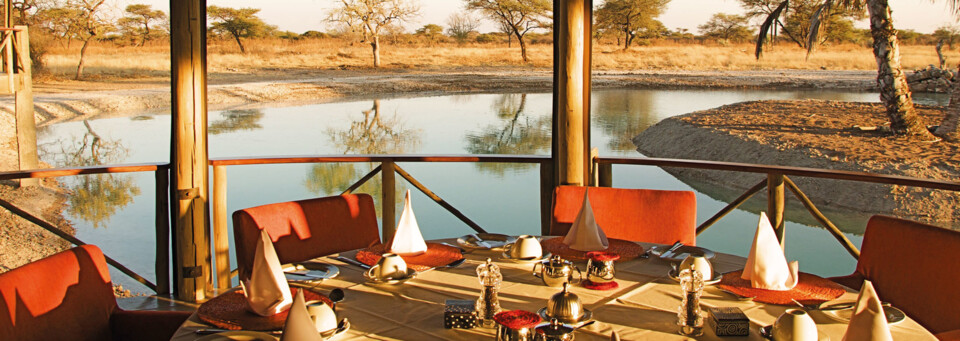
<point x="834" y="230"/>
<point x="188" y="160"/>
<point x="221" y="242"/>
<point x="162" y="225"/>
<point x="26" y="123"/>
<point x="546" y="196"/>
<point x="436" y="198"/>
<point x="388" y="200"/>
<point x="571" y="107"/>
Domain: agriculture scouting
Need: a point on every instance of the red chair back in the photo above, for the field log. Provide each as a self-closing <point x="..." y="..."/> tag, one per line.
<point x="306" y="229"/>
<point x="641" y="215"/>
<point x="914" y="267"/>
<point x="67" y="296"/>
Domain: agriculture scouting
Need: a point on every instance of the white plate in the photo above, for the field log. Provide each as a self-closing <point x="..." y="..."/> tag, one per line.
<point x="506" y="257"/>
<point x="411" y="274"/>
<point x="495" y="241"/>
<point x="716" y="277"/>
<point x="238" y="335"/>
<point x="311" y="272"/>
<point x="894" y="315"/>
<point x="680" y="254"/>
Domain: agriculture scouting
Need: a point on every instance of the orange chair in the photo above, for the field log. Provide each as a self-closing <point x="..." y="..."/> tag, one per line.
<point x="641" y="215"/>
<point x="306" y="229"/>
<point x="69" y="296"/>
<point x="914" y="267"/>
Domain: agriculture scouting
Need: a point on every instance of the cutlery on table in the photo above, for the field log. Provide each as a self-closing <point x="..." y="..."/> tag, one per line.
<point x="462" y="251"/>
<point x="673" y="248"/>
<point x="480" y="241"/>
<point x="307" y="275"/>
<point x="351" y="261"/>
<point x="452" y="264"/>
<point x="806" y="306"/>
<point x="208" y="331"/>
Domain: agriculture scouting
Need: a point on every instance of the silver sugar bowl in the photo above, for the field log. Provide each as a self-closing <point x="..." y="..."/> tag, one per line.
<point x="556" y="271"/>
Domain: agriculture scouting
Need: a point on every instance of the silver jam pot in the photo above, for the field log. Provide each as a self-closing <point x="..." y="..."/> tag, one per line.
<point x="556" y="271"/>
<point x="600" y="271"/>
<point x="505" y="333"/>
<point x="554" y="331"/>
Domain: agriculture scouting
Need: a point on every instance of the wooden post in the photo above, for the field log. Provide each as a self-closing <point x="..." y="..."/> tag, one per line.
<point x="188" y="160"/>
<point x="221" y="242"/>
<point x="775" y="204"/>
<point x="546" y="196"/>
<point x="162" y="266"/>
<point x="26" y="123"/>
<point x="571" y="107"/>
<point x="388" y="200"/>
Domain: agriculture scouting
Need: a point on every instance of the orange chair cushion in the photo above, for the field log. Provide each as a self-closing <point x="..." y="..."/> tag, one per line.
<point x="67" y="296"/>
<point x="953" y="335"/>
<point x="914" y="267"/>
<point x="642" y="215"/>
<point x="306" y="229"/>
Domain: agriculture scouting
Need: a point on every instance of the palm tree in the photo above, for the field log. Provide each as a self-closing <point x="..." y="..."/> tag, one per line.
<point x="891" y="80"/>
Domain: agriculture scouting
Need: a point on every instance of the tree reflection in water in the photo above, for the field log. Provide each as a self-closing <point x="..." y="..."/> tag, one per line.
<point x="236" y="120"/>
<point x="516" y="134"/>
<point x="371" y="135"/>
<point x="94" y="198"/>
<point x="623" y="115"/>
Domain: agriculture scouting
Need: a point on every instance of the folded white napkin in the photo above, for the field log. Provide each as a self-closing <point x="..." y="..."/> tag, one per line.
<point x="584" y="234"/>
<point x="868" y="322"/>
<point x="299" y="326"/>
<point x="408" y="240"/>
<point x="767" y="267"/>
<point x="266" y="290"/>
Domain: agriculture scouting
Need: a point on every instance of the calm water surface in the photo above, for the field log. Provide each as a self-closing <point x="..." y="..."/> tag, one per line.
<point x="116" y="211"/>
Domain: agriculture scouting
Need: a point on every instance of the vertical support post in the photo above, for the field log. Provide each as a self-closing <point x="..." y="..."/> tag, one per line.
<point x="594" y="167"/>
<point x="221" y="242"/>
<point x="605" y="178"/>
<point x="188" y="160"/>
<point x="546" y="196"/>
<point x="26" y="123"/>
<point x="388" y="199"/>
<point x="775" y="204"/>
<point x="571" y="107"/>
<point x="162" y="266"/>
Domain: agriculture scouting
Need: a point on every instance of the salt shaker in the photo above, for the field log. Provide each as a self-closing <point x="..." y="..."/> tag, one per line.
<point x="488" y="304"/>
<point x="689" y="319"/>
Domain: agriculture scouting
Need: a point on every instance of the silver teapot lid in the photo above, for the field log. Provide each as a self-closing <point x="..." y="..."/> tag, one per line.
<point x="554" y="328"/>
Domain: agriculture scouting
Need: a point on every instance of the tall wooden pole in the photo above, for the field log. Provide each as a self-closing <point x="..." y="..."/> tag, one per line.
<point x="188" y="159"/>
<point x="571" y="106"/>
<point x="25" y="122"/>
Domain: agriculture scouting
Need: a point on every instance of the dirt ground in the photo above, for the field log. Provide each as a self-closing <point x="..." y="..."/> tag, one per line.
<point x="58" y="100"/>
<point x="816" y="134"/>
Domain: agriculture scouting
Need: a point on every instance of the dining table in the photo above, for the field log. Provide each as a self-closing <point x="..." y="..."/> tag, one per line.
<point x="644" y="306"/>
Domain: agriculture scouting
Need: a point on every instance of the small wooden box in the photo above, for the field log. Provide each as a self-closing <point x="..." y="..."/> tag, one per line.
<point x="729" y="321"/>
<point x="460" y="314"/>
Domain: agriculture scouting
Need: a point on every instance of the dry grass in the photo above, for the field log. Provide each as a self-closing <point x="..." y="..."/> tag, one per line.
<point x="106" y="61"/>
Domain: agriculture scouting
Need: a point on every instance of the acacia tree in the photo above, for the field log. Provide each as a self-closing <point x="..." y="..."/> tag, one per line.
<point x="795" y="19"/>
<point x="727" y="26"/>
<point x="238" y="23"/>
<point x="631" y="18"/>
<point x="138" y="20"/>
<point x="891" y="80"/>
<point x="517" y="16"/>
<point x="372" y="17"/>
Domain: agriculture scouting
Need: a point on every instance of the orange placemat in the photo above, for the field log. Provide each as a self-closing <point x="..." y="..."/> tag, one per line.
<point x="811" y="289"/>
<point x="229" y="311"/>
<point x="626" y="249"/>
<point x="436" y="255"/>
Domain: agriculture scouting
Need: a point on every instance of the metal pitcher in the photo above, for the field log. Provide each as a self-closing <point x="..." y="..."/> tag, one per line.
<point x="600" y="271"/>
<point x="556" y="271"/>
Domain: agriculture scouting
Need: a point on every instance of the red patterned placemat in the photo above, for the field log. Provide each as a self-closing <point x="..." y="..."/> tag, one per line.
<point x="517" y="319"/>
<point x="626" y="249"/>
<point x="600" y="286"/>
<point x="229" y="311"/>
<point x="810" y="289"/>
<point x="436" y="255"/>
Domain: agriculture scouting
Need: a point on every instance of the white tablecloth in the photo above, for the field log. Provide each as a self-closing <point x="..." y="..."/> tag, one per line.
<point x="643" y="307"/>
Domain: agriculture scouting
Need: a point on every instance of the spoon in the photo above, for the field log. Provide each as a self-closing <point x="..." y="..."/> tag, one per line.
<point x="336" y="295"/>
<point x="806" y="306"/>
<point x="584" y="325"/>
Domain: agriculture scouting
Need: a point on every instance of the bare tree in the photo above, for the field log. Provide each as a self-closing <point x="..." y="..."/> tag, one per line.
<point x="460" y="25"/>
<point x="519" y="16"/>
<point x="89" y="21"/>
<point x="371" y="17"/>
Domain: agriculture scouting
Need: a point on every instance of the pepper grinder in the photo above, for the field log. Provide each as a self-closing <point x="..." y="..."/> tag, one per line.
<point x="488" y="304"/>
<point x="689" y="319"/>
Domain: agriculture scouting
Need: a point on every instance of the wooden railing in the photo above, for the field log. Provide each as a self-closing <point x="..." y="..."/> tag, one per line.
<point x="161" y="222"/>
<point x="776" y="177"/>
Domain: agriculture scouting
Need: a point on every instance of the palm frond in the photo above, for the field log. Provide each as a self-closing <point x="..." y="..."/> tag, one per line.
<point x="767" y="26"/>
<point x="815" y="23"/>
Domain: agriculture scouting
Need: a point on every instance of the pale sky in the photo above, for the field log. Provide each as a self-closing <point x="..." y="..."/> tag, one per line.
<point x="303" y="15"/>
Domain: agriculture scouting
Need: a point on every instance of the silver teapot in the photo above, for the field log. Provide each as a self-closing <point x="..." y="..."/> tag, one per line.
<point x="556" y="271"/>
